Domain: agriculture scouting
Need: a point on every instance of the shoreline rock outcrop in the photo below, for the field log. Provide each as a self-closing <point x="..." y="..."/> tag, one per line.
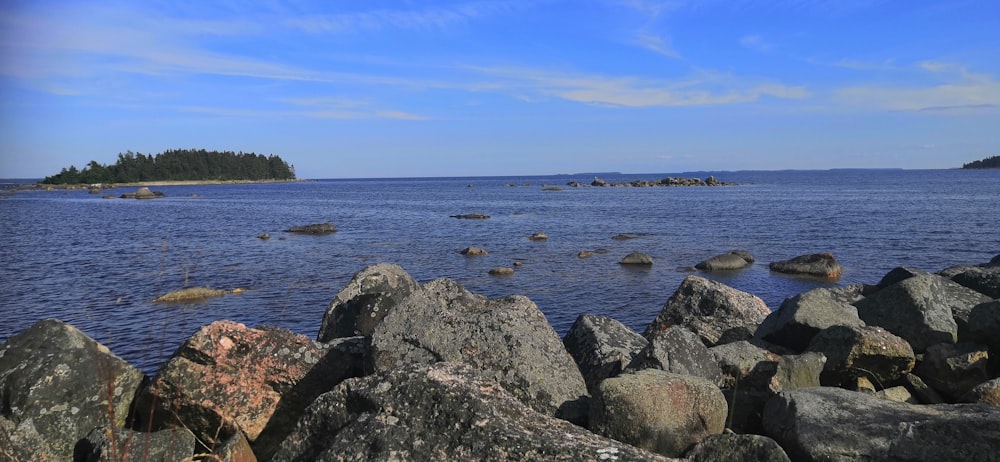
<point x="822" y="265"/>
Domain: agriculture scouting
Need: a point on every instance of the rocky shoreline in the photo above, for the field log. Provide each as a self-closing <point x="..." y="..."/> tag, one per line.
<point x="903" y="369"/>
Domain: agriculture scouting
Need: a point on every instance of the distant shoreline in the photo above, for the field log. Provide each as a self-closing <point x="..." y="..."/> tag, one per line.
<point x="139" y="184"/>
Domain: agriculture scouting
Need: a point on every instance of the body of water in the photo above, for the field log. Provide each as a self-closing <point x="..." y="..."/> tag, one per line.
<point x="98" y="263"/>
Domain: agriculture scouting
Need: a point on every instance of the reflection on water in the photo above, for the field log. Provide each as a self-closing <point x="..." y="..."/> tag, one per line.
<point x="98" y="263"/>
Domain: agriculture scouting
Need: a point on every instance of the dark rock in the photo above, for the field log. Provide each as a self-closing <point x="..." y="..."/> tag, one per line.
<point x="444" y="411"/>
<point x="263" y="236"/>
<point x="624" y="237"/>
<point x="798" y="371"/>
<point x="802" y="316"/>
<point x="709" y="309"/>
<point x="856" y="351"/>
<point x="746" y="366"/>
<point x="538" y="237"/>
<point x="316" y="229"/>
<point x="365" y="300"/>
<point x="954" y="369"/>
<point x="921" y="391"/>
<point x="228" y="378"/>
<point x="984" y="326"/>
<point x="637" y="258"/>
<point x="658" y="411"/>
<point x="143" y="193"/>
<point x="598" y="182"/>
<point x="731" y="261"/>
<point x="822" y="265"/>
<point x="987" y="392"/>
<point x="898" y="274"/>
<point x="602" y="347"/>
<point x="924" y="309"/>
<point x="110" y="444"/>
<point x="508" y="338"/>
<point x="552" y="188"/>
<point x="236" y="448"/>
<point x="730" y="447"/>
<point x="502" y="271"/>
<point x="585" y="254"/>
<point x="470" y="216"/>
<point x="678" y="350"/>
<point x="746" y="409"/>
<point x="833" y="424"/>
<point x="899" y="394"/>
<point x="984" y="279"/>
<point x="56" y="385"/>
<point x="474" y="251"/>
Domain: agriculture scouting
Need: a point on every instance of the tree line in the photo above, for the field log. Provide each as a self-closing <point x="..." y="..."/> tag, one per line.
<point x="178" y="165"/>
<point x="989" y="162"/>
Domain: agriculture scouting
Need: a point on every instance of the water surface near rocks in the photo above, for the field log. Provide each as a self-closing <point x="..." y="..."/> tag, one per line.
<point x="98" y="263"/>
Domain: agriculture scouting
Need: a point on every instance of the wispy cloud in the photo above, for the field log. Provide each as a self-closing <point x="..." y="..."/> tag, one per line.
<point x="439" y="18"/>
<point x="960" y="90"/>
<point x="756" y="43"/>
<point x="656" y="44"/>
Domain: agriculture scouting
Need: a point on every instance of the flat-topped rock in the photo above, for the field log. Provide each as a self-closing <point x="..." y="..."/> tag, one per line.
<point x="822" y="265"/>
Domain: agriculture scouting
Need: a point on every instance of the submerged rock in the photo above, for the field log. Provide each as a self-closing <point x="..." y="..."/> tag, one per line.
<point x="730" y="261"/>
<point x="442" y="411"/>
<point x="470" y="216"/>
<point x="822" y="265"/>
<point x="190" y="294"/>
<point x="56" y="385"/>
<point x="474" y="251"/>
<point x="637" y="259"/>
<point x="315" y="229"/>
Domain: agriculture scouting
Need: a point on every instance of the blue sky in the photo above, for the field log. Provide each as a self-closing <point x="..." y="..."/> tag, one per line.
<point x="440" y="88"/>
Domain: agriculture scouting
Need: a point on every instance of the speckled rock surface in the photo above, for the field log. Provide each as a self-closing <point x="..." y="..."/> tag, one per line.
<point x="871" y="352"/>
<point x="731" y="447"/>
<point x="602" y="347"/>
<point x="508" y="337"/>
<point x="106" y="444"/>
<point x="953" y="370"/>
<point x="365" y="300"/>
<point x="659" y="411"/>
<point x="680" y="351"/>
<point x="987" y="392"/>
<point x="802" y="316"/>
<point x="984" y="278"/>
<point x="709" y="309"/>
<point x="746" y="366"/>
<point x="56" y="385"/>
<point x="822" y="265"/>
<point x="444" y="411"/>
<point x="228" y="378"/>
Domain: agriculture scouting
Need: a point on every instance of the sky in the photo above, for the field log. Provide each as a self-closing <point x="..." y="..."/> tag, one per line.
<point x="375" y="89"/>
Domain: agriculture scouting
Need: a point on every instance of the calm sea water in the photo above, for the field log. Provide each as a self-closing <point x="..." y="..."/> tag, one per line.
<point x="98" y="263"/>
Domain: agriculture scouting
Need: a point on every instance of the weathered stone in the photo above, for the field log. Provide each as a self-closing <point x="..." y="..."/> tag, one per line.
<point x="585" y="254"/>
<point x="538" y="237"/>
<point x="899" y="394"/>
<point x="680" y="351"/>
<point x="602" y="347"/>
<point x="898" y="274"/>
<point x="924" y="309"/>
<point x="365" y="300"/>
<point x="954" y="369"/>
<point x="142" y="193"/>
<point x="987" y="392"/>
<point x="316" y="229"/>
<point x="110" y="444"/>
<point x="637" y="258"/>
<point x="729" y="447"/>
<point x="746" y="366"/>
<point x="471" y="216"/>
<point x="507" y="337"/>
<point x="923" y="393"/>
<point x="746" y="409"/>
<point x="228" y="378"/>
<point x="502" y="271"/>
<point x="984" y="279"/>
<point x="798" y="371"/>
<point x="236" y="448"/>
<point x="445" y="411"/>
<point x="822" y="265"/>
<point x="802" y="316"/>
<point x="865" y="351"/>
<point x="833" y="424"/>
<point x="709" y="309"/>
<point x="659" y="411"/>
<point x="474" y="251"/>
<point x="730" y="261"/>
<point x="56" y="385"/>
<point x="984" y="326"/>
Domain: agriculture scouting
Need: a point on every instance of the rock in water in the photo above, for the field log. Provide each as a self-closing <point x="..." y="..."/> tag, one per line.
<point x="730" y="261"/>
<point x="710" y="309"/>
<point x="507" y="337"/>
<point x="228" y="378"/>
<point x="658" y="411"/>
<point x="316" y="229"/>
<point x="365" y="300"/>
<point x="827" y="424"/>
<point x="56" y="385"/>
<point x="637" y="259"/>
<point x="602" y="347"/>
<point x="474" y="251"/>
<point x="822" y="265"/>
<point x="444" y="411"/>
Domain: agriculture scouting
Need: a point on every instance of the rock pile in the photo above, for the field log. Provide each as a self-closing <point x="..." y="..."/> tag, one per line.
<point x="903" y="370"/>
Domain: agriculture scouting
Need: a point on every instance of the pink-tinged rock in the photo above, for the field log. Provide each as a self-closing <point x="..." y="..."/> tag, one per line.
<point x="228" y="378"/>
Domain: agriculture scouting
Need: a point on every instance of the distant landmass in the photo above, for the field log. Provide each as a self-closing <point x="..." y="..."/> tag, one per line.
<point x="179" y="165"/>
<point x="989" y="162"/>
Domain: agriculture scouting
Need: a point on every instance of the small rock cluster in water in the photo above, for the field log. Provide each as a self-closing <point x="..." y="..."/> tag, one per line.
<point x="408" y="371"/>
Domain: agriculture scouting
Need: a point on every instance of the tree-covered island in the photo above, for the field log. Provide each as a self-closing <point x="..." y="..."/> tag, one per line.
<point x="179" y="165"/>
<point x="989" y="162"/>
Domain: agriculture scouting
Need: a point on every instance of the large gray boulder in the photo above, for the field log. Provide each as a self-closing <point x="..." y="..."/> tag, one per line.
<point x="228" y="379"/>
<point x="730" y="261"/>
<point x="658" y="411"/>
<point x="984" y="326"/>
<point x="925" y="309"/>
<point x="709" y="309"/>
<point x="871" y="352"/>
<point x="680" y="351"/>
<point x="365" y="300"/>
<point x="509" y="338"/>
<point x="802" y="316"/>
<point x="602" y="347"/>
<point x="748" y="367"/>
<point x="56" y="385"/>
<point x="954" y="369"/>
<point x="983" y="278"/>
<point x="110" y="444"/>
<point x="729" y="447"/>
<point x="444" y="411"/>
<point x="833" y="424"/>
<point x="822" y="265"/>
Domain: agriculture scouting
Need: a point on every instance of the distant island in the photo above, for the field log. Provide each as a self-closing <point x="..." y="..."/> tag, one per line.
<point x="179" y="165"/>
<point x="989" y="162"/>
